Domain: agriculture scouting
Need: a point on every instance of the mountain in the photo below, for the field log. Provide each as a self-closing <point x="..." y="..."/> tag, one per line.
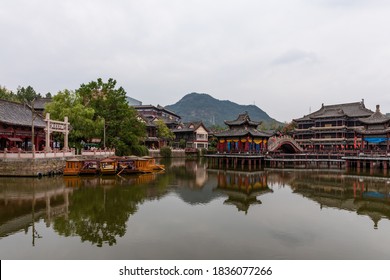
<point x="203" y="107"/>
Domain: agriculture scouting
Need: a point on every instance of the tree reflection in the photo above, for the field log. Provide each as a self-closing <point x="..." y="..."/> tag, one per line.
<point x="99" y="213"/>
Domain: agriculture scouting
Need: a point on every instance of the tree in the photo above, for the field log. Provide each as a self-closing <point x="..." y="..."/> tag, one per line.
<point x="82" y="119"/>
<point x="164" y="132"/>
<point x="7" y="94"/>
<point x="122" y="128"/>
<point x="26" y="95"/>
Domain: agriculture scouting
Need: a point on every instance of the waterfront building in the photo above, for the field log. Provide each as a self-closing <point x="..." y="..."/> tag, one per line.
<point x="151" y="140"/>
<point x="16" y="131"/>
<point x="375" y="131"/>
<point x="158" y="112"/>
<point x="195" y="135"/>
<point x="332" y="127"/>
<point x="242" y="136"/>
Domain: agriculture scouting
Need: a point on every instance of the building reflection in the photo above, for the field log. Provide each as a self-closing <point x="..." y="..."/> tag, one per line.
<point x="242" y="188"/>
<point x="368" y="196"/>
<point x="25" y="201"/>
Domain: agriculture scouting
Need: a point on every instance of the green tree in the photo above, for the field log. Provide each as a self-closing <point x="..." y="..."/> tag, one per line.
<point x="122" y="128"/>
<point x="164" y="132"/>
<point x="82" y="119"/>
<point x="26" y="95"/>
<point x="7" y="94"/>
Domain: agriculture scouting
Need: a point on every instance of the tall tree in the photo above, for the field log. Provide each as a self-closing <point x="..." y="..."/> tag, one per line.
<point x="122" y="128"/>
<point x="82" y="119"/>
<point x="26" y="95"/>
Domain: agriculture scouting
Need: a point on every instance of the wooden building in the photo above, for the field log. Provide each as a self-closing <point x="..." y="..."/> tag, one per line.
<point x="158" y="112"/>
<point x="375" y="131"/>
<point x="242" y="136"/>
<point x="195" y="135"/>
<point x="16" y="131"/>
<point x="151" y="140"/>
<point x="332" y="127"/>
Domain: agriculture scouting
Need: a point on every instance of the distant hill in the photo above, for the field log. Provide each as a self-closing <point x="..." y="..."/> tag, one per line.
<point x="203" y="107"/>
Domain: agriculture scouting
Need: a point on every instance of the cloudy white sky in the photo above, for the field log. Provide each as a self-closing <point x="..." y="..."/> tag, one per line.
<point x="287" y="56"/>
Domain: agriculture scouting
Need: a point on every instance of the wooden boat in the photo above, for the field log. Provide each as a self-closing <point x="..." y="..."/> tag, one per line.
<point x="90" y="167"/>
<point x="127" y="165"/>
<point x="152" y="163"/>
<point x="108" y="166"/>
<point x="73" y="167"/>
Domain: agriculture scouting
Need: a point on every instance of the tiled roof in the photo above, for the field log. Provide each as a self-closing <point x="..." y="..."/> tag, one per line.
<point x="186" y="127"/>
<point x="242" y="119"/>
<point x="39" y="103"/>
<point x="14" y="113"/>
<point x="376" y="118"/>
<point x="241" y="132"/>
<point x="356" y="109"/>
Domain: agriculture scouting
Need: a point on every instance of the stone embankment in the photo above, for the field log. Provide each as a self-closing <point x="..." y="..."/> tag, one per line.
<point x="31" y="167"/>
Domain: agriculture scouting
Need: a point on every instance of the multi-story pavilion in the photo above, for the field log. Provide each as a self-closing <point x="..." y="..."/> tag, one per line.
<point x="332" y="127"/>
<point x="242" y="136"/>
<point x="375" y="132"/>
<point x="152" y="112"/>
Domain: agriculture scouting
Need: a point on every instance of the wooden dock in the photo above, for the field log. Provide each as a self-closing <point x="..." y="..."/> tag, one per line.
<point x="241" y="161"/>
<point x="357" y="161"/>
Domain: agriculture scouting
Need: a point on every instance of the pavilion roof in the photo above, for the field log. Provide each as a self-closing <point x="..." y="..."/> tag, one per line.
<point x="242" y="132"/>
<point x="375" y="118"/>
<point x="242" y="119"/>
<point x="352" y="110"/>
<point x="14" y="113"/>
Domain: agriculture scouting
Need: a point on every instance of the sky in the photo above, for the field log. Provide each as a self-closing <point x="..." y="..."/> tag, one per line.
<point x="287" y="57"/>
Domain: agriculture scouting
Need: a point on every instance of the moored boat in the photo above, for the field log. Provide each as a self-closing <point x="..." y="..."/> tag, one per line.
<point x="108" y="166"/>
<point x="73" y="167"/>
<point x="152" y="163"/>
<point x="90" y="167"/>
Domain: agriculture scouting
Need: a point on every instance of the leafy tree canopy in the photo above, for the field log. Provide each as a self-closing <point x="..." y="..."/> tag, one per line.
<point x="27" y="94"/>
<point x="84" y="126"/>
<point x="163" y="131"/>
<point x="7" y="94"/>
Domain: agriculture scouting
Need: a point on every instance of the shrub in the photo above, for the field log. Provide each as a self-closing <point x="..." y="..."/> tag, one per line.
<point x="166" y="152"/>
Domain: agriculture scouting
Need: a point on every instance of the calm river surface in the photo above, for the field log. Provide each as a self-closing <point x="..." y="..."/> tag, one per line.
<point x="191" y="212"/>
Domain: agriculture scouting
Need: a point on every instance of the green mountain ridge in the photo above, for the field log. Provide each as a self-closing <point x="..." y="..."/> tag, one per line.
<point x="203" y="107"/>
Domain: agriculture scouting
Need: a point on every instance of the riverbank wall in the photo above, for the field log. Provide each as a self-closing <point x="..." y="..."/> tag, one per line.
<point x="31" y="167"/>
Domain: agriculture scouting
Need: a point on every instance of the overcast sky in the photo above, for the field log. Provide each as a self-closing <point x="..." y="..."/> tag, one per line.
<point x="287" y="57"/>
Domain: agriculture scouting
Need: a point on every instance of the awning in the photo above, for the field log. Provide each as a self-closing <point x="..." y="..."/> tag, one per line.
<point x="15" y="139"/>
<point x="375" y="140"/>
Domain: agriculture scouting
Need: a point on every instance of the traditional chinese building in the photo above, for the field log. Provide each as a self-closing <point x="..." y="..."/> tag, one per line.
<point x="195" y="135"/>
<point x="151" y="140"/>
<point x="331" y="127"/>
<point x="16" y="131"/>
<point x="158" y="112"/>
<point x="375" y="131"/>
<point x="242" y="136"/>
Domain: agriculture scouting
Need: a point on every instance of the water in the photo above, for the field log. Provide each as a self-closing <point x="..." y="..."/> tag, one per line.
<point x="190" y="212"/>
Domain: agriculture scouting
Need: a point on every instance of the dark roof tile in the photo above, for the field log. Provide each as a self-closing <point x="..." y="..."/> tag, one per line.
<point x="14" y="113"/>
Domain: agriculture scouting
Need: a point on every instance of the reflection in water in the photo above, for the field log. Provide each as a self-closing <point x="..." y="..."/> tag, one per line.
<point x="101" y="206"/>
<point x="23" y="201"/>
<point x="187" y="201"/>
<point x="364" y="195"/>
<point x="242" y="188"/>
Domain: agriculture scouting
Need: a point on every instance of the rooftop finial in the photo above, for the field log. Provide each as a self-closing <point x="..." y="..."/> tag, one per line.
<point x="378" y="108"/>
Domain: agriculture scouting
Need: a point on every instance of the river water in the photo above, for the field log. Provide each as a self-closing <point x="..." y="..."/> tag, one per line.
<point x="192" y="212"/>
